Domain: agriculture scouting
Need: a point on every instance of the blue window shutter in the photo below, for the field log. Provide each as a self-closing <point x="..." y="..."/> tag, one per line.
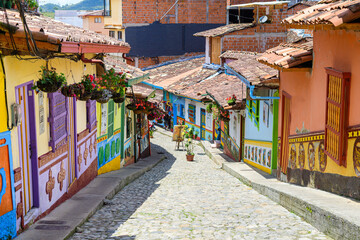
<point x="91" y="114"/>
<point x="58" y="113"/>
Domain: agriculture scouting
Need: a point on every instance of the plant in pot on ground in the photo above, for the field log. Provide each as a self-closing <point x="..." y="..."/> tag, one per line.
<point x="50" y="81"/>
<point x="231" y="100"/>
<point x="189" y="144"/>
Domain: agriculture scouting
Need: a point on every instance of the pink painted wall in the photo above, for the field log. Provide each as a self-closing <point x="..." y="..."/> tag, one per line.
<point x="337" y="49"/>
<point x="90" y="24"/>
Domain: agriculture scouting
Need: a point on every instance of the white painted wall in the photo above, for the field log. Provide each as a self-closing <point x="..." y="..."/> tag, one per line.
<point x="235" y="126"/>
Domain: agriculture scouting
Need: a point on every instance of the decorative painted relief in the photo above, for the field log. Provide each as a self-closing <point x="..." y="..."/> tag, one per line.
<point x="301" y="156"/>
<point x="311" y="156"/>
<point x="356" y="156"/>
<point x="258" y="153"/>
<point x="293" y="156"/>
<point x="50" y="185"/>
<point x="61" y="175"/>
<point x="322" y="157"/>
<point x="86" y="150"/>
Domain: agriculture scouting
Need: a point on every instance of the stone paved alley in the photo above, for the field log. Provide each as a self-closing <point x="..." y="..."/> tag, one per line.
<point x="192" y="200"/>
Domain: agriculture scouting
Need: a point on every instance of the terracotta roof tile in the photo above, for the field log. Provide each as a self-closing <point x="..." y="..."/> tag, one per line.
<point x="288" y="55"/>
<point x="327" y="12"/>
<point x="232" y="54"/>
<point x="219" y="31"/>
<point x="58" y="30"/>
<point x="120" y="66"/>
<point x="221" y="87"/>
<point x="164" y="76"/>
<point x="255" y="72"/>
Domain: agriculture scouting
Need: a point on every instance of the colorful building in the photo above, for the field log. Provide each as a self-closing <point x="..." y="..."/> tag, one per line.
<point x="261" y="119"/>
<point x="319" y="116"/>
<point x="94" y="21"/>
<point x="53" y="137"/>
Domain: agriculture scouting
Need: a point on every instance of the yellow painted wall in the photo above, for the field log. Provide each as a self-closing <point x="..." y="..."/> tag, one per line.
<point x="3" y="112"/>
<point x="117" y="116"/>
<point x="19" y="72"/>
<point x="116" y="13"/>
<point x="331" y="165"/>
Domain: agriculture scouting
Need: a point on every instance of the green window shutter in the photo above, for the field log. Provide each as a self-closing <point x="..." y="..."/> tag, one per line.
<point x="192" y="113"/>
<point x="110" y="118"/>
<point x="249" y="108"/>
<point x="256" y="113"/>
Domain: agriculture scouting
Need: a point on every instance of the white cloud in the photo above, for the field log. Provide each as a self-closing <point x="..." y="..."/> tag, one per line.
<point x="61" y="2"/>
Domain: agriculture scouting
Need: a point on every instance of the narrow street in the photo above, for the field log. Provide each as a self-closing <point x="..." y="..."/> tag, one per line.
<point x="192" y="200"/>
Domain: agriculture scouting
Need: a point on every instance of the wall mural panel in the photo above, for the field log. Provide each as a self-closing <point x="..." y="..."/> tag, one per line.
<point x="86" y="150"/>
<point x="258" y="154"/>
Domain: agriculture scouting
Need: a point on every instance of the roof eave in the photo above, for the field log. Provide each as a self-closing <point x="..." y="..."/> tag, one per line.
<point x="83" y="47"/>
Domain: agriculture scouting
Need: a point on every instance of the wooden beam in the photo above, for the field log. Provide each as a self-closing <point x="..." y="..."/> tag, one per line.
<point x="21" y="44"/>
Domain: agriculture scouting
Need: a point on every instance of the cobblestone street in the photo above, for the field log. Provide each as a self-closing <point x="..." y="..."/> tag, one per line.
<point x="192" y="200"/>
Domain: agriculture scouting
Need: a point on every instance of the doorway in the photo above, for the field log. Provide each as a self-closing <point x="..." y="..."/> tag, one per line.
<point x="203" y="124"/>
<point x="285" y="131"/>
<point x="27" y="146"/>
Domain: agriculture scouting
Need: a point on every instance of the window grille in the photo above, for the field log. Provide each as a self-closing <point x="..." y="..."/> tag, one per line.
<point x="336" y="121"/>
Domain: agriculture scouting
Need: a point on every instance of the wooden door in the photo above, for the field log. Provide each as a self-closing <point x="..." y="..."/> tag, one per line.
<point x="203" y="124"/>
<point x="215" y="50"/>
<point x="285" y="131"/>
<point x="25" y="146"/>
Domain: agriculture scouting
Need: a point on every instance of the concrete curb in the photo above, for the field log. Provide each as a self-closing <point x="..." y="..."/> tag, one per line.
<point x="63" y="221"/>
<point x="336" y="216"/>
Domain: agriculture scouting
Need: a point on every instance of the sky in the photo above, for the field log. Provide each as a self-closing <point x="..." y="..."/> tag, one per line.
<point x="61" y="2"/>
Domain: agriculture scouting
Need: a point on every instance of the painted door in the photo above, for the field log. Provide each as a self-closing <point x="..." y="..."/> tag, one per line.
<point x="72" y="141"/>
<point x="203" y="124"/>
<point x="27" y="144"/>
<point x="285" y="131"/>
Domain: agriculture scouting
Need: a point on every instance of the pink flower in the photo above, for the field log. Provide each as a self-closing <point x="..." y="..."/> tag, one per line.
<point x="91" y="77"/>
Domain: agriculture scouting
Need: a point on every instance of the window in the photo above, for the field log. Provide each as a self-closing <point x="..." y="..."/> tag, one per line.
<point x="110" y="118"/>
<point x="336" y="118"/>
<point x="182" y="110"/>
<point x="97" y="20"/>
<point x="256" y="113"/>
<point x="192" y="113"/>
<point x="119" y="35"/>
<point x="58" y="120"/>
<point x="90" y="114"/>
<point x="107" y="8"/>
<point x="243" y="15"/>
<point x="112" y="34"/>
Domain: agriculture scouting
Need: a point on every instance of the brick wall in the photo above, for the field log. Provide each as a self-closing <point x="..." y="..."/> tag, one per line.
<point x="150" y="61"/>
<point x="189" y="11"/>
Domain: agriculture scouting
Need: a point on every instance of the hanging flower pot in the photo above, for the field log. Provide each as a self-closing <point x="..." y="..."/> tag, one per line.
<point x="231" y="100"/>
<point x="118" y="97"/>
<point x="50" y="81"/>
<point x="105" y="96"/>
<point x="151" y="117"/>
<point x="67" y="91"/>
<point x="209" y="108"/>
<point x="131" y="106"/>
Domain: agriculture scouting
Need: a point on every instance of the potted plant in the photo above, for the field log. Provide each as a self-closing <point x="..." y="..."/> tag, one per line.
<point x="50" y="81"/>
<point x="151" y="133"/>
<point x="231" y="100"/>
<point x="224" y="115"/>
<point x="189" y="146"/>
<point x="209" y="108"/>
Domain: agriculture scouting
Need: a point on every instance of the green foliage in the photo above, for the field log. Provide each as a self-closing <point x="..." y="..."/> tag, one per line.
<point x="209" y="108"/>
<point x="189" y="146"/>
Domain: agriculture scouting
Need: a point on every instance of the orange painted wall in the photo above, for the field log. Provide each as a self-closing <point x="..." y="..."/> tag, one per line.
<point x="297" y="85"/>
<point x="337" y="49"/>
<point x="90" y="24"/>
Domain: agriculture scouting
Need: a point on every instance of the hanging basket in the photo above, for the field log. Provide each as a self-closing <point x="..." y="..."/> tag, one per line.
<point x="84" y="96"/>
<point x="150" y="117"/>
<point x="225" y="119"/>
<point x="104" y="97"/>
<point x="118" y="97"/>
<point x="231" y="102"/>
<point x="131" y="106"/>
<point x="49" y="88"/>
<point x="138" y="111"/>
<point x="67" y="91"/>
